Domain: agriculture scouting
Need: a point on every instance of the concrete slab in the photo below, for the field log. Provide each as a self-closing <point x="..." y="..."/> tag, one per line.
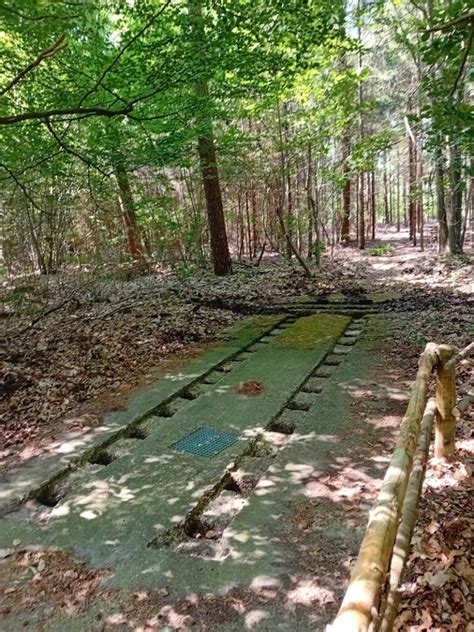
<point x="150" y="491"/>
<point x="19" y="484"/>
<point x="256" y="551"/>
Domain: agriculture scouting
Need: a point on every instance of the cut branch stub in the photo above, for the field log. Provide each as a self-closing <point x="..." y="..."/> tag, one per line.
<point x="445" y="403"/>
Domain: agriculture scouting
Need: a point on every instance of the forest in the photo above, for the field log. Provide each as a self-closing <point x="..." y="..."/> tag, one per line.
<point x="256" y="187"/>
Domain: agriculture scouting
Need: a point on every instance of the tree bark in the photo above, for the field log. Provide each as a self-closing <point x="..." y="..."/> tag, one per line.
<point x="127" y="207"/>
<point x="346" y="193"/>
<point x="455" y="206"/>
<point x="412" y="190"/>
<point x="361" y="212"/>
<point x="215" y="210"/>
<point x="445" y="429"/>
<point x="208" y="161"/>
<point x="373" y="209"/>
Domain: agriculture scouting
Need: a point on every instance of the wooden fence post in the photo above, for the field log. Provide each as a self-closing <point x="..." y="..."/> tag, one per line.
<point x="445" y="403"/>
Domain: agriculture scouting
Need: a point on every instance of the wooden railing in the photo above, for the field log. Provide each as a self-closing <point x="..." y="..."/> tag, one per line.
<point x="372" y="597"/>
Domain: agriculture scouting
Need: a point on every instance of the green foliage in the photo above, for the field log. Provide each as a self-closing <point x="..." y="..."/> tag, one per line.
<point x="381" y="251"/>
<point x="318" y="248"/>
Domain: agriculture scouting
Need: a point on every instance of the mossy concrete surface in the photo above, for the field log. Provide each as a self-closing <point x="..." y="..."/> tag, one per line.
<point x="284" y="555"/>
<point x="276" y="549"/>
<point x="18" y="484"/>
<point x="110" y="515"/>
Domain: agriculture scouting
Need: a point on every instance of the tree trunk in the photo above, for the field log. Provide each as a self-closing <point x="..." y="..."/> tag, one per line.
<point x="215" y="210"/>
<point x="412" y="190"/>
<point x="309" y="197"/>
<point x="346" y="193"/>
<point x="455" y="206"/>
<point x="127" y="207"/>
<point x="361" y="212"/>
<point x="208" y="161"/>
<point x="372" y="204"/>
<point x="385" y="196"/>
<point x="419" y="203"/>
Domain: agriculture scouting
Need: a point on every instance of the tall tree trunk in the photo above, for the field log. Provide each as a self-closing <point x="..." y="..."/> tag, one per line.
<point x="346" y="193"/>
<point x="309" y="198"/>
<point x="441" y="201"/>
<point x="127" y="208"/>
<point x="455" y="206"/>
<point x="373" y="208"/>
<point x="208" y="161"/>
<point x="215" y="210"/>
<point x="361" y="133"/>
<point x="412" y="190"/>
<point x="249" y="225"/>
<point x="419" y="203"/>
<point x="385" y="194"/>
<point x="398" y="191"/>
<point x="361" y="212"/>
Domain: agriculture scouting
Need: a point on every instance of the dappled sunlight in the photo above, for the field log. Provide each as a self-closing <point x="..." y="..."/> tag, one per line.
<point x="308" y="592"/>
<point x="254" y="617"/>
<point x="180" y="377"/>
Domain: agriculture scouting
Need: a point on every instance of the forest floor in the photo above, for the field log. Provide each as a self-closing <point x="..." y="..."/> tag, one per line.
<point x="80" y="344"/>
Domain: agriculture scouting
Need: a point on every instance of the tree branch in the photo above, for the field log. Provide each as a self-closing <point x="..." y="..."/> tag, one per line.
<point x="69" y="150"/>
<point x="454" y="22"/>
<point x="463" y="60"/>
<point x="92" y="111"/>
<point x="45" y="54"/>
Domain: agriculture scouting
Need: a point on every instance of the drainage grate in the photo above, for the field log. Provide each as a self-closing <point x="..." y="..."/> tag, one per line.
<point x="206" y="442"/>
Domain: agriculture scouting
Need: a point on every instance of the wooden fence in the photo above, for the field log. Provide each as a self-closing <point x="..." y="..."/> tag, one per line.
<point x="372" y="597"/>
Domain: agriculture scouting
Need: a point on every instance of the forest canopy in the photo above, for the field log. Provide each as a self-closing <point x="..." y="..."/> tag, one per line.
<point x="183" y="131"/>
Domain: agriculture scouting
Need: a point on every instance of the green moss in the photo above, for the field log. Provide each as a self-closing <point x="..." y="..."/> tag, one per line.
<point x="382" y="297"/>
<point x="337" y="298"/>
<point x="304" y="298"/>
<point x="308" y="331"/>
<point x="251" y="328"/>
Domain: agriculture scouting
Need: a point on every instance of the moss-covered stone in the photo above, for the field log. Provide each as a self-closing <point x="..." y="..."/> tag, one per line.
<point x="309" y="330"/>
<point x="383" y="297"/>
<point x="337" y="298"/>
<point x="252" y="328"/>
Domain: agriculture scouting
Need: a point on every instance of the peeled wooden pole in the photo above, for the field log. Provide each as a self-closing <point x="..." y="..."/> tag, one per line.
<point x="445" y="403"/>
<point x="461" y="354"/>
<point x="401" y="549"/>
<point x="361" y="601"/>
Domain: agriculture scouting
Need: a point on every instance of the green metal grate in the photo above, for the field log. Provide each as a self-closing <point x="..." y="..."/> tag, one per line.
<point x="206" y="442"/>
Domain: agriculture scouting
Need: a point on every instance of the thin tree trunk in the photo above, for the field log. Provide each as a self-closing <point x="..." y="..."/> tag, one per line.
<point x="398" y="191"/>
<point x="361" y="212"/>
<point x="372" y="204"/>
<point x="127" y="208"/>
<point x="420" y="208"/>
<point x="455" y="206"/>
<point x="346" y="193"/>
<point x="412" y="190"/>
<point x="249" y="225"/>
<point x="309" y="198"/>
